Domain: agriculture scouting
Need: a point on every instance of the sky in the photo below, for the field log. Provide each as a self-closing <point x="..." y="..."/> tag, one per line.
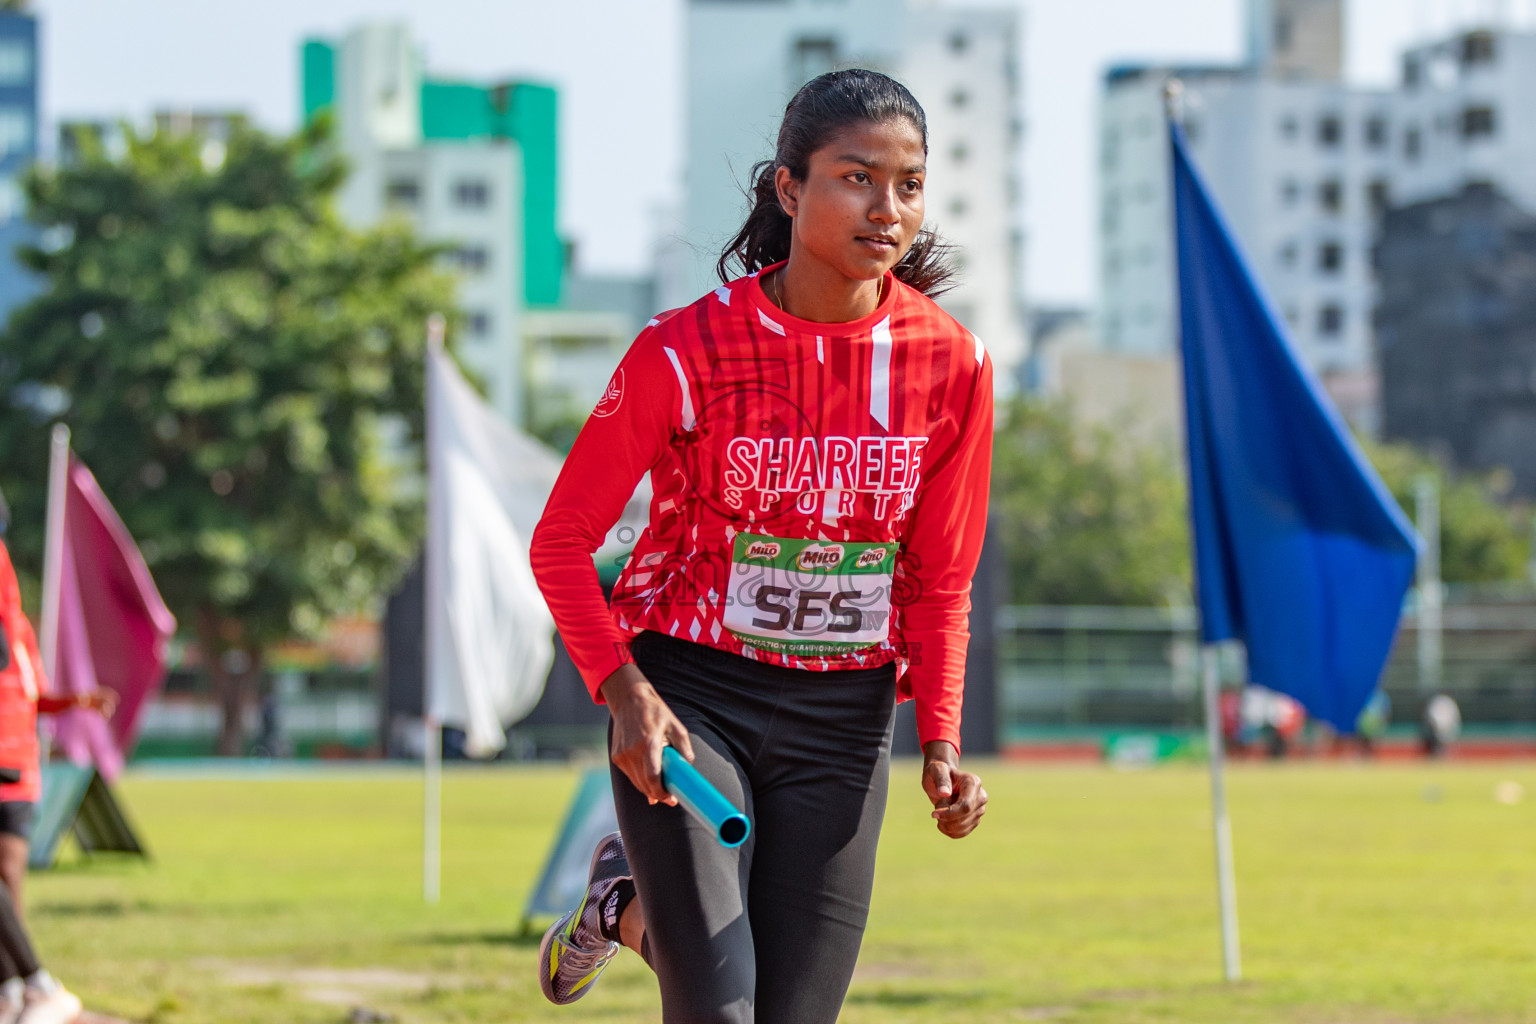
<point x="616" y="63"/>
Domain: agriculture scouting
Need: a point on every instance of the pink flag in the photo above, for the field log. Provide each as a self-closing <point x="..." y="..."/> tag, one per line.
<point x="113" y="627"/>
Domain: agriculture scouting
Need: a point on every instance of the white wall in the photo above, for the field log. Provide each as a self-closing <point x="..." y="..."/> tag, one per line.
<point x="492" y="347"/>
<point x="963" y="67"/>
<point x="745" y="61"/>
<point x="1437" y="103"/>
<point x="379" y="125"/>
<point x="1257" y="142"/>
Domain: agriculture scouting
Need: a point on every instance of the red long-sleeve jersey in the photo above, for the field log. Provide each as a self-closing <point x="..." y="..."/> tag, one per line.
<point x="21" y="682"/>
<point x="820" y="493"/>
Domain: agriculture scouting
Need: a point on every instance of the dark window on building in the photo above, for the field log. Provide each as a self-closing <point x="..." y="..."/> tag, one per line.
<point x="402" y="192"/>
<point x="1284" y="32"/>
<point x="1478" y="122"/>
<point x="1376" y="133"/>
<point x="1288" y="255"/>
<point x="1477" y="48"/>
<point x="1412" y="72"/>
<point x="1330" y="320"/>
<point x="1330" y="130"/>
<point x="478" y="323"/>
<point x="959" y="98"/>
<point x="472" y="258"/>
<point x="957" y="208"/>
<point x="1289" y="128"/>
<point x="472" y="193"/>
<point x="1330" y="257"/>
<point x="1290" y="191"/>
<point x="1330" y="196"/>
<point x="959" y="42"/>
<point x="1379" y="195"/>
<point x="960" y="152"/>
<point x="814" y="56"/>
<point x="1192" y="129"/>
<point x="1412" y="143"/>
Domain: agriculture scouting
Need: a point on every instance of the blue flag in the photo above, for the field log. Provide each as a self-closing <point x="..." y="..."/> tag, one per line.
<point x="1300" y="551"/>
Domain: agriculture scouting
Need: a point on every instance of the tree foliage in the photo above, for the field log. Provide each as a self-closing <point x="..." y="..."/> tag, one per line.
<point x="1085" y="517"/>
<point x="242" y="372"/>
<point x="1089" y="517"/>
<point x="1483" y="539"/>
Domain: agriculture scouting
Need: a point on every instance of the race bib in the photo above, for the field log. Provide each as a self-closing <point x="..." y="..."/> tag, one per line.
<point x="809" y="597"/>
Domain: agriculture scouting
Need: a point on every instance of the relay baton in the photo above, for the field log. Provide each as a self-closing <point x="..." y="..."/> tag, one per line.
<point x="702" y="799"/>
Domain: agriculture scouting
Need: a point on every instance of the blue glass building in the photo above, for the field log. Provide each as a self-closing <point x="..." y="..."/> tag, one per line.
<point x="18" y="148"/>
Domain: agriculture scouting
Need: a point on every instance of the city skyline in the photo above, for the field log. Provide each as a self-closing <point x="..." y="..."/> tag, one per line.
<point x="621" y="88"/>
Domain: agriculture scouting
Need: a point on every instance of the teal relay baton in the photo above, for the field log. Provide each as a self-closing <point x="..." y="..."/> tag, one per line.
<point x="702" y="799"/>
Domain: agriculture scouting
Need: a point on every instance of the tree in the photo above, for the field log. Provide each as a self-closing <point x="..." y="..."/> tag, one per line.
<point x="1481" y="539"/>
<point x="242" y="372"/>
<point x="1086" y="518"/>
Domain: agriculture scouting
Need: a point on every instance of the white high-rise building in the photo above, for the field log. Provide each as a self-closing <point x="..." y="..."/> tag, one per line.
<point x="465" y="193"/>
<point x="1299" y="167"/>
<point x="1467" y="107"/>
<point x="746" y="58"/>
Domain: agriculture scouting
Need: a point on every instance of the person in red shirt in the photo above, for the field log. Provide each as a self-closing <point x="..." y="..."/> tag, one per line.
<point x="23" y="695"/>
<point x="29" y="994"/>
<point x="818" y="437"/>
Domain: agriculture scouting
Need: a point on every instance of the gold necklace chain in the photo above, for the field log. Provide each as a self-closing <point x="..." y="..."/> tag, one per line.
<point x="777" y="298"/>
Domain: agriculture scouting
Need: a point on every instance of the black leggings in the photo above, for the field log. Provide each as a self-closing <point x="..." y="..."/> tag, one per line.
<point x="767" y="933"/>
<point x="17" y="960"/>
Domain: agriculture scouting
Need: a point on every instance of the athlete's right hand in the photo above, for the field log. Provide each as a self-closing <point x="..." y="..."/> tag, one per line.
<point x="643" y="726"/>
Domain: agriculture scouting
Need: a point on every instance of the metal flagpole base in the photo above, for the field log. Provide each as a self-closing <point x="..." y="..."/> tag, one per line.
<point x="1226" y="883"/>
<point x="432" y="803"/>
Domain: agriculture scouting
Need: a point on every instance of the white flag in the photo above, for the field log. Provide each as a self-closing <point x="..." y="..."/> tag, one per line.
<point x="489" y="633"/>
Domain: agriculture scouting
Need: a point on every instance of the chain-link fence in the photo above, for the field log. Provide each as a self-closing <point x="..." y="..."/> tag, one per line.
<point x="1110" y="668"/>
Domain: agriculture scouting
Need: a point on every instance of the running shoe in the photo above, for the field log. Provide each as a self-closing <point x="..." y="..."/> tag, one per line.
<point x="574" y="951"/>
<point x="57" y="1006"/>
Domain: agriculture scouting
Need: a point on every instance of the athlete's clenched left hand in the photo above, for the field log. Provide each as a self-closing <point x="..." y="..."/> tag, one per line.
<point x="958" y="798"/>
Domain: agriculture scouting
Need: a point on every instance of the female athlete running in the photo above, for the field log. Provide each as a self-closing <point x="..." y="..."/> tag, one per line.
<point x="818" y="435"/>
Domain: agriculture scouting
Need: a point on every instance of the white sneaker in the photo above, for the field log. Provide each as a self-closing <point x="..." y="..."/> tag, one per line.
<point x="60" y="1006"/>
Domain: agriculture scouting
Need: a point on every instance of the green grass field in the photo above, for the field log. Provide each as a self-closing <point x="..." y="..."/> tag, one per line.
<point x="1366" y="894"/>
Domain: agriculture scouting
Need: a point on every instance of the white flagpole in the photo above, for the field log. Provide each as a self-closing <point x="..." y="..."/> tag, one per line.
<point x="53" y="546"/>
<point x="1226" y="881"/>
<point x="53" y="564"/>
<point x="1221" y="824"/>
<point x="432" y="746"/>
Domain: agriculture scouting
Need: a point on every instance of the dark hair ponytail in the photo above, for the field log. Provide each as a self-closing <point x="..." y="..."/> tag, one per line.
<point x="824" y="106"/>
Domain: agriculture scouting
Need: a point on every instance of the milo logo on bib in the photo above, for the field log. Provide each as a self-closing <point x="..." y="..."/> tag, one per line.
<point x="818" y="556"/>
<point x="809" y="597"/>
<point x="762" y="549"/>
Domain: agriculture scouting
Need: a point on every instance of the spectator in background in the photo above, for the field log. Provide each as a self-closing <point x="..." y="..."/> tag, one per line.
<point x="1440" y="726"/>
<point x="23" y="695"/>
<point x="28" y="993"/>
